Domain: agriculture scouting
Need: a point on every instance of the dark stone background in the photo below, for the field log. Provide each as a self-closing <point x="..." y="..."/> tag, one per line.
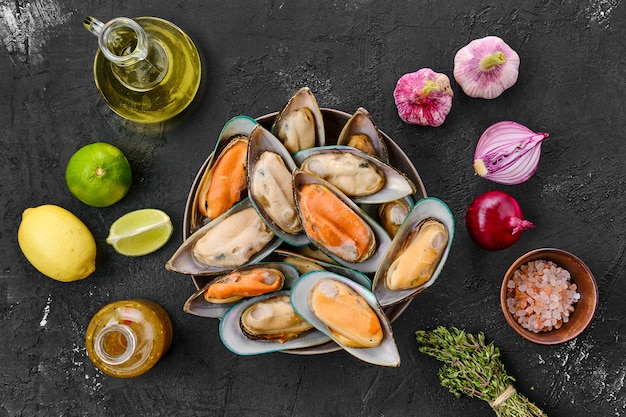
<point x="350" y="53"/>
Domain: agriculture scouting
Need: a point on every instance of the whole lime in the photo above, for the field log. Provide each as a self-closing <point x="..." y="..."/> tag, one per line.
<point x="98" y="174"/>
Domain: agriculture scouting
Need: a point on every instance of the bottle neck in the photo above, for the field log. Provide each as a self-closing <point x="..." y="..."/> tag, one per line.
<point x="115" y="344"/>
<point x="136" y="61"/>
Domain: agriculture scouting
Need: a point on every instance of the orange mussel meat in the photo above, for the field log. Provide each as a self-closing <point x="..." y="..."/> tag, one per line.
<point x="245" y="283"/>
<point x="348" y="316"/>
<point x="332" y="224"/>
<point x="228" y="180"/>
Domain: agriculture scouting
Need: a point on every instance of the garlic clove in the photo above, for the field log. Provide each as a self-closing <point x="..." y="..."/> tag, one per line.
<point x="423" y="97"/>
<point x="508" y="153"/>
<point x="486" y="67"/>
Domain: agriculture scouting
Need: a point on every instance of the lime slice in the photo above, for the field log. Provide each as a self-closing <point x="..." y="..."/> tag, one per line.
<point x="140" y="232"/>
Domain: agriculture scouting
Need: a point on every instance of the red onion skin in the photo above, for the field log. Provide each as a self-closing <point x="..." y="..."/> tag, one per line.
<point x="494" y="220"/>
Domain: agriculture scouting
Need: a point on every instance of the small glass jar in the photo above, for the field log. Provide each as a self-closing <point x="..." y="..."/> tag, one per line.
<point x="128" y="337"/>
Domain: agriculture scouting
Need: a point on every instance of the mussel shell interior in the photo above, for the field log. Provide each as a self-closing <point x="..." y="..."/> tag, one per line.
<point x="429" y="207"/>
<point x="237" y="342"/>
<point x="236" y="126"/>
<point x="382" y="238"/>
<point x="197" y="305"/>
<point x="183" y="260"/>
<point x="385" y="354"/>
<point x="263" y="140"/>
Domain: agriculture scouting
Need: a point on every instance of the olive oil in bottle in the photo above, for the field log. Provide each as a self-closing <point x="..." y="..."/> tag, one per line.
<point x="146" y="69"/>
<point x="128" y="337"/>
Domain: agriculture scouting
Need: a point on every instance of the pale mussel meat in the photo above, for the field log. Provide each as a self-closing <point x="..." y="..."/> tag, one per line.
<point x="300" y="125"/>
<point x="270" y="186"/>
<point x="360" y="176"/>
<point x="236" y="238"/>
<point x="273" y="319"/>
<point x="267" y="323"/>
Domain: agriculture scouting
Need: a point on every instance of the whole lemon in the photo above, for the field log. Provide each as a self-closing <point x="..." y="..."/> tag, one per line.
<point x="98" y="174"/>
<point x="57" y="243"/>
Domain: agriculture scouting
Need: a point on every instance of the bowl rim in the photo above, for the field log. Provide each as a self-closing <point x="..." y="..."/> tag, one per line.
<point x="540" y="338"/>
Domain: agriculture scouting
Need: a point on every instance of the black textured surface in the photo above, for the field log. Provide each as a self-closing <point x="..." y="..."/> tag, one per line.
<point x="350" y="53"/>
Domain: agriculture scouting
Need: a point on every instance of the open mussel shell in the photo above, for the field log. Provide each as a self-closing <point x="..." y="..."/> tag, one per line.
<point x="261" y="141"/>
<point x="302" y="102"/>
<point x="237" y="128"/>
<point x="185" y="262"/>
<point x="361" y="132"/>
<point x="234" y="338"/>
<point x="395" y="184"/>
<point x="381" y="239"/>
<point x="428" y="208"/>
<point x="385" y="354"/>
<point x="197" y="305"/>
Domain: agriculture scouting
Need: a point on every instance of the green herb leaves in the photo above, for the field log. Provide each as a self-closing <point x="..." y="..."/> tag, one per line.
<point x="472" y="367"/>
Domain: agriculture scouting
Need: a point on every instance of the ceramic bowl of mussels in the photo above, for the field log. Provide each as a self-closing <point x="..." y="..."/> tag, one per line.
<point x="303" y="195"/>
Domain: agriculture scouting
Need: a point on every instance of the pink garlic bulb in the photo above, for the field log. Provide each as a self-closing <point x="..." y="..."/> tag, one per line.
<point x="486" y="67"/>
<point x="423" y="97"/>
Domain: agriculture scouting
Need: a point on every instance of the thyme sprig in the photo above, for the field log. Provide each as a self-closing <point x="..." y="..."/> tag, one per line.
<point x="472" y="367"/>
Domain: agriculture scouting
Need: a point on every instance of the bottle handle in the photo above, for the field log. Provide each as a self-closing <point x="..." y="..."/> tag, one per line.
<point x="93" y="25"/>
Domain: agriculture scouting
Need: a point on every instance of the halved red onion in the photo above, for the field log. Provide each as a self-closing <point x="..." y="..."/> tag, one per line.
<point x="508" y="153"/>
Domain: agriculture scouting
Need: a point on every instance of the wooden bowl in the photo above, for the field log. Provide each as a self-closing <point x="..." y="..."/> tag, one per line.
<point x="585" y="308"/>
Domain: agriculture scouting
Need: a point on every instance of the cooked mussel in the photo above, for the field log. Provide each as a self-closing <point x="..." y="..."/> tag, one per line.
<point x="223" y="181"/>
<point x="391" y="214"/>
<point x="273" y="319"/>
<point x="300" y="125"/>
<point x="332" y="224"/>
<point x="244" y="283"/>
<point x="270" y="185"/>
<point x="362" y="177"/>
<point x="349" y="172"/>
<point x="221" y="293"/>
<point x="361" y="133"/>
<point x="234" y="239"/>
<point x="417" y="254"/>
<point x="232" y="242"/>
<point x="336" y="225"/>
<point x="271" y="325"/>
<point x="348" y="313"/>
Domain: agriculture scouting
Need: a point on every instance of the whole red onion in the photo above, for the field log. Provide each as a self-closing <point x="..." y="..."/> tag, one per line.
<point x="494" y="220"/>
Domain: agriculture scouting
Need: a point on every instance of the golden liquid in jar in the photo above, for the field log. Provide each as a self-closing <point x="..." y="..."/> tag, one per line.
<point x="127" y="338"/>
<point x="172" y="94"/>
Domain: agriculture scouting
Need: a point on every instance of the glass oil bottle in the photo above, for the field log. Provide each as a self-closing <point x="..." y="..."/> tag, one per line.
<point x="147" y="69"/>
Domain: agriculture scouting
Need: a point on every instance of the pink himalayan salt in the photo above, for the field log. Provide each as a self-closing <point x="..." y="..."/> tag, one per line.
<point x="540" y="296"/>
